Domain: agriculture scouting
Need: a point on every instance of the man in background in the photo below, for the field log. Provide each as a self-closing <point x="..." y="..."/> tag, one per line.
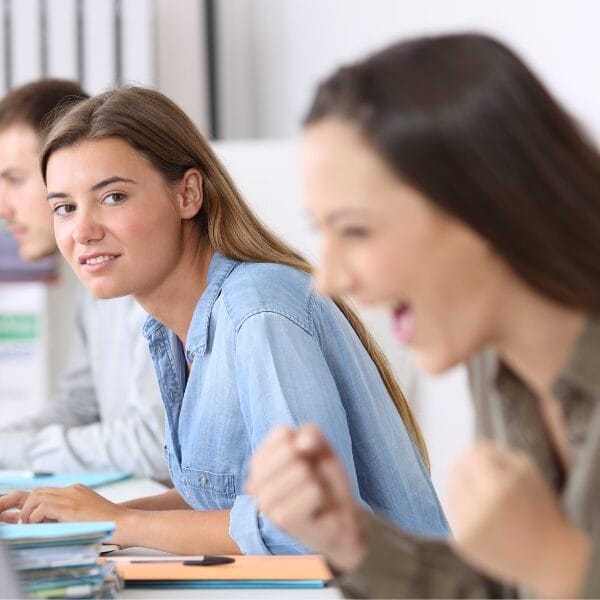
<point x="106" y="414"/>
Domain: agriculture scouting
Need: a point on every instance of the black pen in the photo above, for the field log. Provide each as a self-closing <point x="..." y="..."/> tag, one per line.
<point x="209" y="560"/>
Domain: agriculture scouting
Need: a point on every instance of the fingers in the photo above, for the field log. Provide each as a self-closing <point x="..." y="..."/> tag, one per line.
<point x="485" y="460"/>
<point x="13" y="500"/>
<point x="288" y="483"/>
<point x="298" y="506"/>
<point x="297" y="469"/>
<point x="10" y="516"/>
<point x="43" y="502"/>
<point x="34" y="500"/>
<point x="272" y="457"/>
<point x="332" y="475"/>
<point x="282" y="447"/>
<point x="44" y="513"/>
<point x="310" y="442"/>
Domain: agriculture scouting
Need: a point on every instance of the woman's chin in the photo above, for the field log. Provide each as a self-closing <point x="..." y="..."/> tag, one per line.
<point x="433" y="362"/>
<point x="105" y="292"/>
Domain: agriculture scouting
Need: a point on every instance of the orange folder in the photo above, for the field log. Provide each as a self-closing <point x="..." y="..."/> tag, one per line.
<point x="251" y="571"/>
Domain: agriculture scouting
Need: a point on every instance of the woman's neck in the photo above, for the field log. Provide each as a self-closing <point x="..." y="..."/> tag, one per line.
<point x="537" y="336"/>
<point x="174" y="302"/>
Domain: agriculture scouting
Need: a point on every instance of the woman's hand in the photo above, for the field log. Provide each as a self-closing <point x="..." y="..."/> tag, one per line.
<point x="508" y="522"/>
<point x="299" y="483"/>
<point x="73" y="503"/>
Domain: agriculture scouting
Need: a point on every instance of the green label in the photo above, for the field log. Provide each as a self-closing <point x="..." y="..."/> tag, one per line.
<point x="23" y="327"/>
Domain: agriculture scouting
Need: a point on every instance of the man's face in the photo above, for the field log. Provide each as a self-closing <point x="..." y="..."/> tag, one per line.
<point x="23" y="203"/>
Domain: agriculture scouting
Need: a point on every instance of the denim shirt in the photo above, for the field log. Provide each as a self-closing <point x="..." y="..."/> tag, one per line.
<point x="263" y="350"/>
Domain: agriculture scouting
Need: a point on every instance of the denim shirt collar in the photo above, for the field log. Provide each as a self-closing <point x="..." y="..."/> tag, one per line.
<point x="219" y="269"/>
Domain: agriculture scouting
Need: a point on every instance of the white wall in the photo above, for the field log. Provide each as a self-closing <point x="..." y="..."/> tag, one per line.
<point x="283" y="48"/>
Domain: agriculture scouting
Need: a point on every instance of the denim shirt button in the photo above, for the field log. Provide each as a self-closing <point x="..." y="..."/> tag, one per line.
<point x="203" y="479"/>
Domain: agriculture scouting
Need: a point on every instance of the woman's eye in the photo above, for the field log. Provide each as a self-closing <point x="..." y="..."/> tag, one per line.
<point x="63" y="209"/>
<point x="114" y="198"/>
<point x="354" y="232"/>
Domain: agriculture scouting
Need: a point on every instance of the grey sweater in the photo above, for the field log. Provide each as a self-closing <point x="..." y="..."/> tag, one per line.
<point x="107" y="413"/>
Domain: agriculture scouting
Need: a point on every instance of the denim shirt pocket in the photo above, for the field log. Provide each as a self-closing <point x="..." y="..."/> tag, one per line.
<point x="209" y="490"/>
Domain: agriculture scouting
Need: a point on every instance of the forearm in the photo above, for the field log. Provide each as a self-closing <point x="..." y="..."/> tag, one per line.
<point x="170" y="500"/>
<point x="177" y="531"/>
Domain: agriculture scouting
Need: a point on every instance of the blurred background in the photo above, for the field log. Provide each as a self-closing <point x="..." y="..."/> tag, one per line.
<point x="245" y="71"/>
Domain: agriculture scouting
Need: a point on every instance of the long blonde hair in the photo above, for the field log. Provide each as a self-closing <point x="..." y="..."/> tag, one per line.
<point x="164" y="134"/>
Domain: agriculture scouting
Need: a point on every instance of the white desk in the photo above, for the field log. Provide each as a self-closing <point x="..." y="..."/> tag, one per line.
<point x="137" y="488"/>
<point x="128" y="489"/>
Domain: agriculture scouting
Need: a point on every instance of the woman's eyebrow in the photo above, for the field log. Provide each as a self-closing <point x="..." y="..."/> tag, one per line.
<point x="341" y="213"/>
<point x="109" y="180"/>
<point x="95" y="187"/>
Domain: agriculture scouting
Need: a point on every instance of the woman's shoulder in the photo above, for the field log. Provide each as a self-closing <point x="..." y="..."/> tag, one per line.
<point x="252" y="288"/>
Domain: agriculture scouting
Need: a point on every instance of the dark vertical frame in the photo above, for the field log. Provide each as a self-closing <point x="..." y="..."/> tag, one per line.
<point x="118" y="33"/>
<point x="212" y="64"/>
<point x="7" y="31"/>
<point x="43" y="33"/>
<point x="80" y="40"/>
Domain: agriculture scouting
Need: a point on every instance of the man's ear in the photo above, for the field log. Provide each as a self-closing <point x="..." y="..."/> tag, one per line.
<point x="189" y="194"/>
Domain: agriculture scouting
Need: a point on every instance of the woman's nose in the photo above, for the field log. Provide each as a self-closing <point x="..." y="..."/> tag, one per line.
<point x="332" y="277"/>
<point x="87" y="228"/>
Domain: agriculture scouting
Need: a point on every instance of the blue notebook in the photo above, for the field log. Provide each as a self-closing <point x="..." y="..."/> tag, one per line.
<point x="32" y="535"/>
<point x="240" y="584"/>
<point x="10" y="483"/>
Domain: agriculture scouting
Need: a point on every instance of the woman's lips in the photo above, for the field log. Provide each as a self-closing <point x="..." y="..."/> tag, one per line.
<point x="403" y="324"/>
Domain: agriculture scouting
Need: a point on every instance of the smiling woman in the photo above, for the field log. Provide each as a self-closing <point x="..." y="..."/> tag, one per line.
<point x="105" y="215"/>
<point x="239" y="339"/>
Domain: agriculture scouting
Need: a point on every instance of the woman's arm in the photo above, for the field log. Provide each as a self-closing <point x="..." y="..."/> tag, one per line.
<point x="177" y="531"/>
<point x="169" y="500"/>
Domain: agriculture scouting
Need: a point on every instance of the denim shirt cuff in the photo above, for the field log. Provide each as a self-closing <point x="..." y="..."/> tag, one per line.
<point x="244" y="527"/>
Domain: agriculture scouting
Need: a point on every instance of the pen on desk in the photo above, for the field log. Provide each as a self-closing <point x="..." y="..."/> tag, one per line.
<point x="208" y="561"/>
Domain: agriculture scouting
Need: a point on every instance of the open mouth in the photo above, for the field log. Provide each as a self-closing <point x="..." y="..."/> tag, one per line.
<point x="403" y="322"/>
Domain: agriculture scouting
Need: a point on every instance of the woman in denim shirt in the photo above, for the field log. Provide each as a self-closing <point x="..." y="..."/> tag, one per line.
<point x="239" y="340"/>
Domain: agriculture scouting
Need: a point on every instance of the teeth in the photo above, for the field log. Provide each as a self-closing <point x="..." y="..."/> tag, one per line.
<point x="97" y="260"/>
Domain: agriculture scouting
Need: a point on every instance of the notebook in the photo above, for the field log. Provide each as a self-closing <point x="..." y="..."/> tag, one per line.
<point x="58" y="560"/>
<point x="36" y="535"/>
<point x="9" y="587"/>
<point x="10" y="482"/>
<point x="305" y="571"/>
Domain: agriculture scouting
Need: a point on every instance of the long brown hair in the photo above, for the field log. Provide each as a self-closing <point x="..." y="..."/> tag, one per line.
<point x="463" y="120"/>
<point x="162" y="132"/>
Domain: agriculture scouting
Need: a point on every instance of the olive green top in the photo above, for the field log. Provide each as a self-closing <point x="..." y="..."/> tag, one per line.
<point x="401" y="565"/>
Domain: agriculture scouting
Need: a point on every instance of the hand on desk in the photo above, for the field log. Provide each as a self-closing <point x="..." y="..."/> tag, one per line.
<point x="508" y="523"/>
<point x="299" y="483"/>
<point x="73" y="503"/>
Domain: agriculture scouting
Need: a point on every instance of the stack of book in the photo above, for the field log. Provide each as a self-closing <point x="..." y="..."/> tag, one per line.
<point x="59" y="560"/>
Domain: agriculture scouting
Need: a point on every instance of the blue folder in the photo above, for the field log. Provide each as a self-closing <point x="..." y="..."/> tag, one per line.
<point x="11" y="483"/>
<point x="238" y="584"/>
<point x="29" y="535"/>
